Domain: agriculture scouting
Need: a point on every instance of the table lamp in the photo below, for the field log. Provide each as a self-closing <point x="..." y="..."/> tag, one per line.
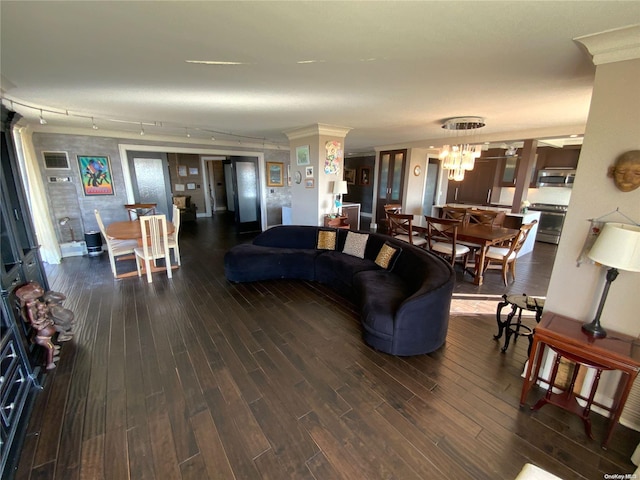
<point x="617" y="248"/>
<point x="339" y="188"/>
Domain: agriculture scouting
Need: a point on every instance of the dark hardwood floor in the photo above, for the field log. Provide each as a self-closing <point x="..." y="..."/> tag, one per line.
<point x="195" y="378"/>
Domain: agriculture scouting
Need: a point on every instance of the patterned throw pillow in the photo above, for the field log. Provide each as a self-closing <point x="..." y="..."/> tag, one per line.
<point x="355" y="244"/>
<point x="326" y="240"/>
<point x="387" y="256"/>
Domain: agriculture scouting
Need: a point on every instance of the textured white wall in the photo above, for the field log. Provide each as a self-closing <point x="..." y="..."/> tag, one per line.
<point x="613" y="127"/>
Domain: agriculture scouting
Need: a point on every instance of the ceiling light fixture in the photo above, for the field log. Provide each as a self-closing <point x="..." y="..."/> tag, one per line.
<point x="93" y="124"/>
<point x="141" y="129"/>
<point x="42" y="120"/>
<point x="458" y="158"/>
<point x="187" y="132"/>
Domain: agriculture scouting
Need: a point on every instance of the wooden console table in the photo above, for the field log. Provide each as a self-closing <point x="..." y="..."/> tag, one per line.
<point x="565" y="336"/>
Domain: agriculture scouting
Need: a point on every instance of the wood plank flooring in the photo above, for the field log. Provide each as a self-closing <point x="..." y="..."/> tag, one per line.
<point x="196" y="378"/>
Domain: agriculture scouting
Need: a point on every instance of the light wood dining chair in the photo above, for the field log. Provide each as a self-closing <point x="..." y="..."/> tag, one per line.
<point x="154" y="244"/>
<point x="442" y="239"/>
<point x="505" y="257"/>
<point x="401" y="227"/>
<point x="172" y="239"/>
<point x="115" y="248"/>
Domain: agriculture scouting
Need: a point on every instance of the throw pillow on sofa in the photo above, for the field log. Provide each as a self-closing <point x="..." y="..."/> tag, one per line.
<point x="387" y="256"/>
<point x="355" y="244"/>
<point x="326" y="240"/>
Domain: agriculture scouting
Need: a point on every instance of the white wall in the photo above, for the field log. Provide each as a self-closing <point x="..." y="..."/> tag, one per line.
<point x="613" y="127"/>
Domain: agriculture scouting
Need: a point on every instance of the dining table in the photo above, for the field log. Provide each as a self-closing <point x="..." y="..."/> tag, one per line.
<point x="478" y="234"/>
<point x="130" y="230"/>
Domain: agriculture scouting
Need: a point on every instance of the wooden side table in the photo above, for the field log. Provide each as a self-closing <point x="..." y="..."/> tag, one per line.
<point x="564" y="335"/>
<point x="336" y="222"/>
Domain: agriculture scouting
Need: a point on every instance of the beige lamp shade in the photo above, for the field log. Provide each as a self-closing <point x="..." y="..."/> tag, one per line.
<point x="618" y="246"/>
<point x="340" y="187"/>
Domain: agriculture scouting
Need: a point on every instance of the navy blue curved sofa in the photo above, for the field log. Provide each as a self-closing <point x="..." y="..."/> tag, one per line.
<point x="404" y="308"/>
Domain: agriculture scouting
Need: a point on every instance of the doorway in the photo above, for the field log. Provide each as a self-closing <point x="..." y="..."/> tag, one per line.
<point x="430" y="186"/>
<point x="150" y="179"/>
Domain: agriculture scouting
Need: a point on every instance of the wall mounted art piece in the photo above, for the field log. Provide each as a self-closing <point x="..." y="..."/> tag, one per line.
<point x="302" y="155"/>
<point x="182" y="170"/>
<point x="364" y="176"/>
<point x="193" y="170"/>
<point x="309" y="183"/>
<point x="178" y="187"/>
<point x="275" y="176"/>
<point x="191" y="186"/>
<point x="96" y="175"/>
<point x="350" y="176"/>
<point x="308" y="172"/>
<point x="333" y="157"/>
<point x="626" y="171"/>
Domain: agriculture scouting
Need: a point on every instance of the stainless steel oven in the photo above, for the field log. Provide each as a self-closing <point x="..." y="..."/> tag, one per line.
<point x="551" y="221"/>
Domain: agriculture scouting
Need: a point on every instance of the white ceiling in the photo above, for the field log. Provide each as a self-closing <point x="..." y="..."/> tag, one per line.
<point x="391" y="71"/>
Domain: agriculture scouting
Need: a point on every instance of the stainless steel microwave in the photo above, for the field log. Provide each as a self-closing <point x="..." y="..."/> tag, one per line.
<point x="556" y="177"/>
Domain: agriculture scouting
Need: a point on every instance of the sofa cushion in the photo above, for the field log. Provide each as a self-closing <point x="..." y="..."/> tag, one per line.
<point x="288" y="236"/>
<point x="380" y="293"/>
<point x="326" y="240"/>
<point x="387" y="256"/>
<point x="337" y="270"/>
<point x="251" y="263"/>
<point x="355" y="244"/>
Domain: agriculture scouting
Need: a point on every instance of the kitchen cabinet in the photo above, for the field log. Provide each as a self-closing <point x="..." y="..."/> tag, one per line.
<point x="478" y="186"/>
<point x="21" y="359"/>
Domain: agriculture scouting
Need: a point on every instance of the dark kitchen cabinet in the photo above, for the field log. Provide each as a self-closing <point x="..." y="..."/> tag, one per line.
<point x="21" y="359"/>
<point x="478" y="186"/>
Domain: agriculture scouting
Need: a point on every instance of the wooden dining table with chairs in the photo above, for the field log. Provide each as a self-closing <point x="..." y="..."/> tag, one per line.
<point x="482" y="235"/>
<point x="132" y="230"/>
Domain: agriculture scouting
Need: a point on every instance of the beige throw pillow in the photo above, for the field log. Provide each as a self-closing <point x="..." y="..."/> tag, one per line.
<point x="355" y="244"/>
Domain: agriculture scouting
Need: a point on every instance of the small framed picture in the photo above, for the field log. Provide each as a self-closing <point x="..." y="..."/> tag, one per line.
<point x="191" y="186"/>
<point x="308" y="172"/>
<point x="178" y="187"/>
<point x="193" y="170"/>
<point x="364" y="176"/>
<point x="275" y="174"/>
<point x="350" y="176"/>
<point x="182" y="170"/>
<point x="302" y="155"/>
<point x="309" y="183"/>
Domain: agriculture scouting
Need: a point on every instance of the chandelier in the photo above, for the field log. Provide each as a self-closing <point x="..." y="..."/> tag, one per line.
<point x="461" y="157"/>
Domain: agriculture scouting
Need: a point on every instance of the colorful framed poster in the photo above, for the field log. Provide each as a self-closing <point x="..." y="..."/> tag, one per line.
<point x="302" y="155"/>
<point x="96" y="175"/>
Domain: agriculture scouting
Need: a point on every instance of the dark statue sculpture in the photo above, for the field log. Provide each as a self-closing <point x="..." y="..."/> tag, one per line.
<point x="47" y="317"/>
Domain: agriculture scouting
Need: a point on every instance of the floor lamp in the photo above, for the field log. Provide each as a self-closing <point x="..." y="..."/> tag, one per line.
<point x="339" y="189"/>
<point x="617" y="248"/>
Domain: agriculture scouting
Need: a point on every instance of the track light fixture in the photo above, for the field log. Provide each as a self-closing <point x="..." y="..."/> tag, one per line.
<point x="42" y="120"/>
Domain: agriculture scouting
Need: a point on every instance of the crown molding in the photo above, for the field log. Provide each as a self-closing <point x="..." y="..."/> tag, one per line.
<point x="317" y="129"/>
<point x="612" y="46"/>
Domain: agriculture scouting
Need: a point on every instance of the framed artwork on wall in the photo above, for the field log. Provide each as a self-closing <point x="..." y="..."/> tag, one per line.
<point x="191" y="186"/>
<point x="193" y="170"/>
<point x="364" y="176"/>
<point x="350" y="176"/>
<point x="302" y="155"/>
<point x="308" y="172"/>
<point x="309" y="183"/>
<point x="96" y="175"/>
<point x="182" y="170"/>
<point x="275" y="177"/>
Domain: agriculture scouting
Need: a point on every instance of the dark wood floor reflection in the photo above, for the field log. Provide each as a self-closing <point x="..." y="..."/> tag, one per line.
<point x="195" y="378"/>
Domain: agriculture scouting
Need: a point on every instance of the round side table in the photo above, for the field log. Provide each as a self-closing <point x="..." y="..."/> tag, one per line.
<point x="518" y="304"/>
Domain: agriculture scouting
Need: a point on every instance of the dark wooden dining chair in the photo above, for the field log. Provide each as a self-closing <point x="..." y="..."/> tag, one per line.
<point x="393" y="208"/>
<point x="456" y="213"/>
<point x="494" y="218"/>
<point x="137" y="210"/>
<point x="442" y="239"/>
<point x="401" y="227"/>
<point x="505" y="257"/>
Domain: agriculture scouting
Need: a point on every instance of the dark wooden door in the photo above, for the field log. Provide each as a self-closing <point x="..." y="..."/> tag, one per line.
<point x="246" y="197"/>
<point x="390" y="180"/>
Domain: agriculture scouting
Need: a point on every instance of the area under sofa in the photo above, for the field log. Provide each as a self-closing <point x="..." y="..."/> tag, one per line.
<point x="404" y="307"/>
